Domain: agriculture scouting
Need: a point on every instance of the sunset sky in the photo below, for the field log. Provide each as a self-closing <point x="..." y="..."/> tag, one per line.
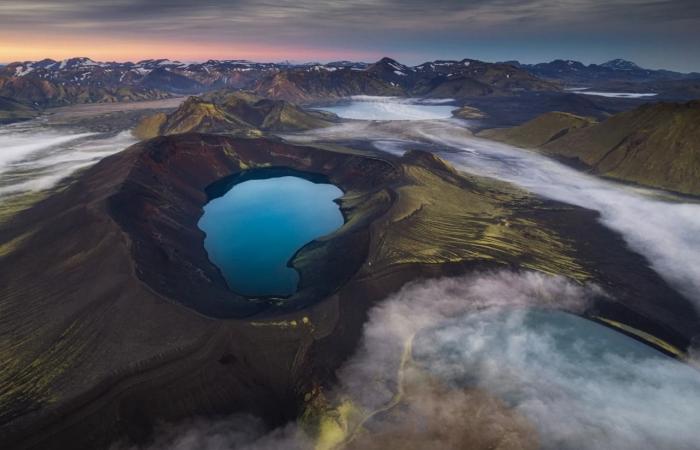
<point x="653" y="33"/>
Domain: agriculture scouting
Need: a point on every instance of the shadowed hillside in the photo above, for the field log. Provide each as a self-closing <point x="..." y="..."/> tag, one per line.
<point x="237" y="113"/>
<point x="13" y="111"/>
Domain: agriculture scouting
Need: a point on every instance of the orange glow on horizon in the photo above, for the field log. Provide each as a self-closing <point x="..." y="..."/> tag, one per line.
<point x="111" y="49"/>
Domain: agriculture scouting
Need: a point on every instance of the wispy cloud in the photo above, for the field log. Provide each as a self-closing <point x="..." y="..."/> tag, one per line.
<point x="388" y="13"/>
<point x="392" y="26"/>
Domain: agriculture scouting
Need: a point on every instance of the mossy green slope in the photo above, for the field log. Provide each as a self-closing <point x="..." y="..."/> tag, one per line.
<point x="193" y="115"/>
<point x="656" y="145"/>
<point x="442" y="217"/>
<point x="540" y="130"/>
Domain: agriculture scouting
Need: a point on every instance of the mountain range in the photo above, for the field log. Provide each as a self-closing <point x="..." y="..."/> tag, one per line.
<point x="48" y="83"/>
<point x="616" y="70"/>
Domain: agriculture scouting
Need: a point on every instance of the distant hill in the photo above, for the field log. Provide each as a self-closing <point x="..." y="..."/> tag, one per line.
<point x="13" y="111"/>
<point x="469" y="77"/>
<point x="540" y="130"/>
<point x="621" y="64"/>
<point x="468" y="112"/>
<point x="236" y="113"/>
<point x="318" y="83"/>
<point x="502" y="111"/>
<point x="167" y="80"/>
<point x="656" y="145"/>
<point x="41" y="93"/>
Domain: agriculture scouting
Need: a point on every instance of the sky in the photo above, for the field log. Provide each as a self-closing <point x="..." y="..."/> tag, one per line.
<point x="653" y="33"/>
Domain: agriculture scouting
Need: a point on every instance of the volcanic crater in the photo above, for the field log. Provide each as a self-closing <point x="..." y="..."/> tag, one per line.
<point x="122" y="321"/>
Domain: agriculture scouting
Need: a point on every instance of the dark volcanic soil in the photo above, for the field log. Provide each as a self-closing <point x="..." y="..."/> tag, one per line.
<point x="105" y="342"/>
<point x="112" y="317"/>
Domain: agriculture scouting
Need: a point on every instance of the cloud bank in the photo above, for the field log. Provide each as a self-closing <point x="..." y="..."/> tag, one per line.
<point x="490" y="361"/>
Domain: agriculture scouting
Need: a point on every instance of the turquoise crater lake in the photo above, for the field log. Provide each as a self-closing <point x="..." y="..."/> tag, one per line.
<point x="255" y="228"/>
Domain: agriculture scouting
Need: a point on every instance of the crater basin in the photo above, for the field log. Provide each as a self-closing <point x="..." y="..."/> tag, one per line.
<point x="256" y="227"/>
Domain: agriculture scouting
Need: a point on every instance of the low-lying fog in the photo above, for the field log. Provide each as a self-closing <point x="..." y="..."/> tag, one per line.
<point x="367" y="107"/>
<point x="663" y="228"/>
<point x="580" y="385"/>
<point x="35" y="157"/>
<point x="618" y="94"/>
<point x="587" y="91"/>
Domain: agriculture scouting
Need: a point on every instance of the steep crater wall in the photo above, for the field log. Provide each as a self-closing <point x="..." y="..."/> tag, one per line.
<point x="161" y="201"/>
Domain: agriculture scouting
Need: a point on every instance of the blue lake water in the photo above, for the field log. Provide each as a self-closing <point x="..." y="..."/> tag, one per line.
<point x="255" y="228"/>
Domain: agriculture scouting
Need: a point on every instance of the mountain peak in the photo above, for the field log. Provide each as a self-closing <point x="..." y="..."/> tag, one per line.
<point x="391" y="65"/>
<point x="568" y="62"/>
<point x="387" y="60"/>
<point x="511" y="62"/>
<point x="620" y="64"/>
<point x="72" y="63"/>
